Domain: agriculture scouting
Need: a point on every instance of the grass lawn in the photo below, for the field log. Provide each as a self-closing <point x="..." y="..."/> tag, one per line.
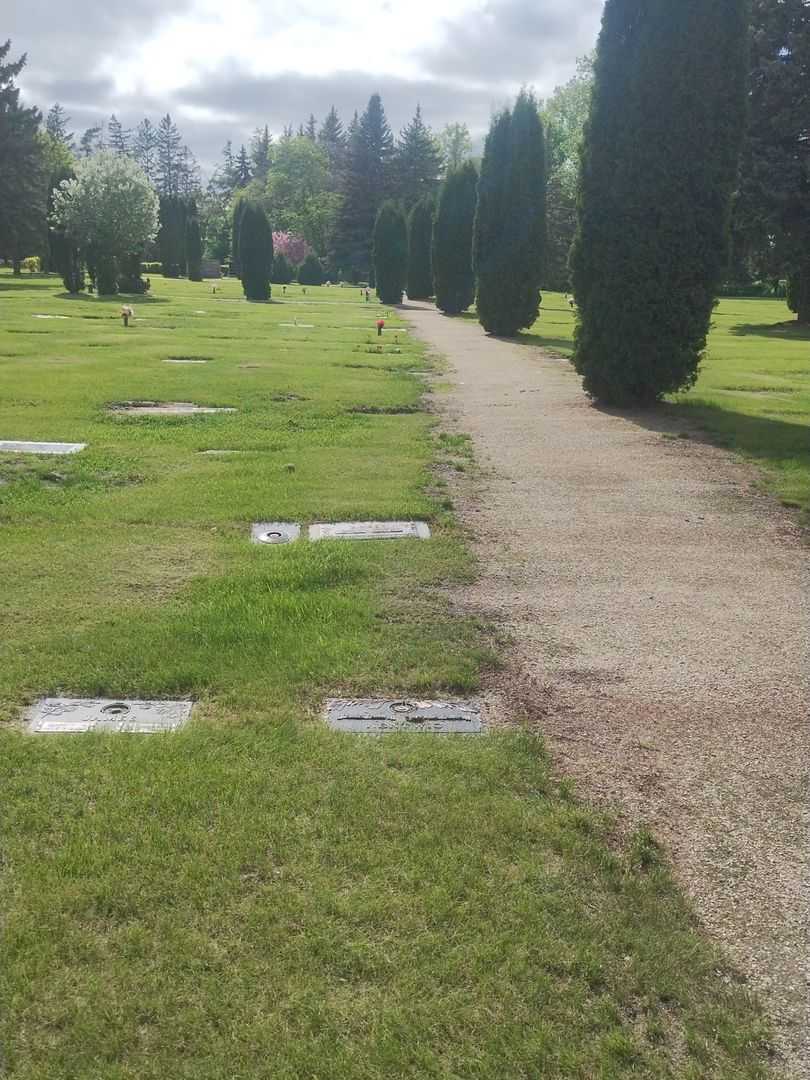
<point x="256" y="896"/>
<point x="753" y="393"/>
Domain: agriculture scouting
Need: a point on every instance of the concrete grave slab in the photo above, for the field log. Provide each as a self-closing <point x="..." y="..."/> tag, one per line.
<point x="371" y="530"/>
<point x="298" y="325"/>
<point x="70" y="716"/>
<point x="183" y="360"/>
<point x="221" y="453"/>
<point x="10" y="446"/>
<point x="165" y="408"/>
<point x="274" y="532"/>
<point x="50" y="316"/>
<point x="372" y="716"/>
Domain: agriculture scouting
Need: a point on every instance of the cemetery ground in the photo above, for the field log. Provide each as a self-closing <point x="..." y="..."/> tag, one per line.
<point x="753" y="393"/>
<point x="255" y="895"/>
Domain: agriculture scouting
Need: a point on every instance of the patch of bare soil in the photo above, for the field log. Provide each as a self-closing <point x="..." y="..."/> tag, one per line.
<point x="660" y="608"/>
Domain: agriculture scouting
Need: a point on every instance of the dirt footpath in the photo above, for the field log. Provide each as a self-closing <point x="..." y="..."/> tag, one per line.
<point x="660" y="605"/>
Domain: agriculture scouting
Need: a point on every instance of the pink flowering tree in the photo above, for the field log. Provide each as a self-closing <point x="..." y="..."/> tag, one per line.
<point x="294" y="248"/>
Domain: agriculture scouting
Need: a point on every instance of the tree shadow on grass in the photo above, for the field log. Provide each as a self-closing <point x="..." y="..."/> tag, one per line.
<point x="774" y="444"/>
<point x="792" y="330"/>
<point x="91" y="298"/>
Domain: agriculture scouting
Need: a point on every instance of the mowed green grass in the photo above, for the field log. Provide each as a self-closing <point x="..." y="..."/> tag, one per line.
<point x="256" y="896"/>
<point x="753" y="393"/>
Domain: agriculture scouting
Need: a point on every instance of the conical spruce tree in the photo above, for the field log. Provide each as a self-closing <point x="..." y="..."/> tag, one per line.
<point x="658" y="169"/>
<point x="255" y="252"/>
<point x="510" y="227"/>
<point x="453" y="276"/>
<point x="420" y="241"/>
<point x="239" y="204"/>
<point x="390" y="253"/>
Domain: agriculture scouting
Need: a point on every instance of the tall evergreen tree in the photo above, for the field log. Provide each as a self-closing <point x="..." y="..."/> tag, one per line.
<point x="510" y="225"/>
<point x="774" y="204"/>
<point x="56" y="124"/>
<point x="91" y="141"/>
<point x="239" y="206"/>
<point x="119" y="138"/>
<point x="390" y="252"/>
<point x="255" y="252"/>
<point x="172" y="235"/>
<point x="311" y="130"/>
<point x="420" y="241"/>
<point x="169" y="149"/>
<point x="332" y="139"/>
<point x="418" y="161"/>
<point x="242" y="173"/>
<point x="658" y="168"/>
<point x="366" y="185"/>
<point x="23" y="171"/>
<point x="145" y="149"/>
<point x="189" y="174"/>
<point x="454" y="279"/>
<point x="193" y="245"/>
<point x="260" y="153"/>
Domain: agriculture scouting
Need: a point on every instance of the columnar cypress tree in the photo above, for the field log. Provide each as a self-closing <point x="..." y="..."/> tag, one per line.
<point x="658" y="168"/>
<point x="390" y="253"/>
<point x="236" y="223"/>
<point x="193" y="247"/>
<point x="310" y="272"/>
<point x="283" y="272"/>
<point x="420" y="240"/>
<point x="510" y="224"/>
<point x="171" y="238"/>
<point x="454" y="279"/>
<point x="255" y="252"/>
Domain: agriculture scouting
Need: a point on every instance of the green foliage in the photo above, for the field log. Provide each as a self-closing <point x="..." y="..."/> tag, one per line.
<point x="454" y="278"/>
<point x="772" y="213"/>
<point x="193" y="247"/>
<point x="510" y="223"/>
<point x="659" y="164"/>
<point x="283" y="272"/>
<point x="237" y="210"/>
<point x="390" y="253"/>
<point x="67" y="261"/>
<point x="310" y="272"/>
<point x="129" y="274"/>
<point x="417" y="163"/>
<point x="367" y="183"/>
<point x="564" y="116"/>
<point x="23" y="169"/>
<point x="420" y="242"/>
<point x="255" y="252"/>
<point x="456" y="145"/>
<point x="109" y="210"/>
<point x="172" y="235"/>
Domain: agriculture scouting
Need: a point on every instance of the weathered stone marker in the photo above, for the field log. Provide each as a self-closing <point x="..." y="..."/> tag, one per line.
<point x="373" y="716"/>
<point x="371" y="530"/>
<point x="71" y="716"/>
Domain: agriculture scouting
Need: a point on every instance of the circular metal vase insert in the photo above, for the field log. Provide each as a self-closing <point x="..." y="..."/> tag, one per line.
<point x="274" y="532"/>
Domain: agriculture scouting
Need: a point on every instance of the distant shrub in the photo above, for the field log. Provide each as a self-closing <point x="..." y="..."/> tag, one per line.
<point x="283" y="272"/>
<point x="151" y="267"/>
<point x="310" y="272"/>
<point x="32" y="264"/>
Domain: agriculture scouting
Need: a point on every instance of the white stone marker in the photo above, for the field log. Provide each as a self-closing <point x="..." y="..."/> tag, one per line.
<point x="9" y="446"/>
<point x="371" y="530"/>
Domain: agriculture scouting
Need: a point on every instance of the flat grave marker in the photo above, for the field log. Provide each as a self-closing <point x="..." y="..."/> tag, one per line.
<point x="274" y="532"/>
<point x="375" y="716"/>
<point x="370" y="530"/>
<point x="11" y="446"/>
<point x="72" y="716"/>
<point x="165" y="408"/>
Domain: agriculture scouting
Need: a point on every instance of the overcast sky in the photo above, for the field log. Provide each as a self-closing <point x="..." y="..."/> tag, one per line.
<point x="224" y="67"/>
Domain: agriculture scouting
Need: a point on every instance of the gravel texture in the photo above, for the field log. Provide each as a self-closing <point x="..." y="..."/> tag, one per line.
<point x="659" y="606"/>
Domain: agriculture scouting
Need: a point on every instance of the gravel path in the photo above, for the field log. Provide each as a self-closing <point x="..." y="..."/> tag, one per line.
<point x="660" y="607"/>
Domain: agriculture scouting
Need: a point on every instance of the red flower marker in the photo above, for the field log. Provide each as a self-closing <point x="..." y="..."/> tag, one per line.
<point x="380" y="325"/>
